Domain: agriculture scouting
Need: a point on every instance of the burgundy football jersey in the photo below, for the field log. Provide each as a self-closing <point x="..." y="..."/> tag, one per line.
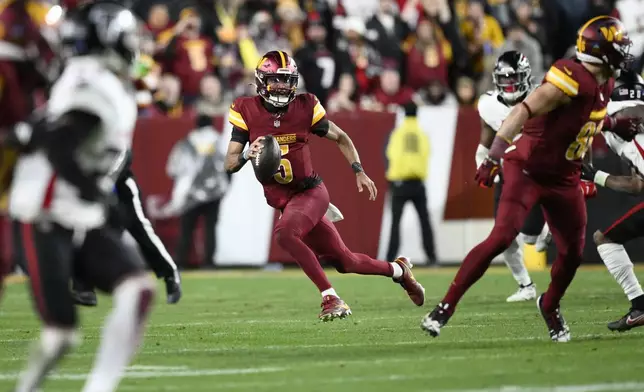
<point x="292" y="130"/>
<point x="552" y="146"/>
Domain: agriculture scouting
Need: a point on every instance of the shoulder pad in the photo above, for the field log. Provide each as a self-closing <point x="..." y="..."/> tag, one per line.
<point x="564" y="74"/>
<point x="491" y="111"/>
<point x="235" y="116"/>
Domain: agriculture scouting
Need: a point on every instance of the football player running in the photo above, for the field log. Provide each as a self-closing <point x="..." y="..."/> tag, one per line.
<point x="296" y="190"/>
<point x="512" y="79"/>
<point x="61" y="192"/>
<point x="559" y="120"/>
<point x="627" y="100"/>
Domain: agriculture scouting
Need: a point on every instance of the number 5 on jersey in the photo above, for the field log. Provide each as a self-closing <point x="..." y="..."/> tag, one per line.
<point x="284" y="173"/>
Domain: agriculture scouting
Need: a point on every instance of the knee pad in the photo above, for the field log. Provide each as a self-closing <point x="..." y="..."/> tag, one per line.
<point x="529" y="239"/>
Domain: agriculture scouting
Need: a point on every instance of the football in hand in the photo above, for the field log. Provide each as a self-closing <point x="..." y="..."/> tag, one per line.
<point x="267" y="161"/>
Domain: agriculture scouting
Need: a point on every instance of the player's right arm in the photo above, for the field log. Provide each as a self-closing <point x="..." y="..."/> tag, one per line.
<point x="487" y="136"/>
<point x="236" y="157"/>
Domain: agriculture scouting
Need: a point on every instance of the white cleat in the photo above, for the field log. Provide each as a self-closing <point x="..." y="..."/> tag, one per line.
<point x="524" y="293"/>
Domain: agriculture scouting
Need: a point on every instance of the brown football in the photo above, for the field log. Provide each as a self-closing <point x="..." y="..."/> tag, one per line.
<point x="267" y="162"/>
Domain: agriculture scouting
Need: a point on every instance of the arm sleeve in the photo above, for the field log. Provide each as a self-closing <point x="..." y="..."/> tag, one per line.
<point x="562" y="77"/>
<point x="62" y="139"/>
<point x="240" y="136"/>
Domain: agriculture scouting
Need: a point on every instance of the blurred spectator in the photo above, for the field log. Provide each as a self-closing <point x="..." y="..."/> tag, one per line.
<point x="517" y="39"/>
<point x="345" y="97"/>
<point x="501" y="11"/>
<point x="390" y="94"/>
<point x="466" y="91"/>
<point x="264" y="35"/>
<point x="441" y="13"/>
<point x="433" y="94"/>
<point x="212" y="101"/>
<point x="387" y="31"/>
<point x="357" y="56"/>
<point x="188" y="54"/>
<point x="533" y="25"/>
<point x="482" y="34"/>
<point x="316" y="62"/>
<point x="291" y="19"/>
<point x="158" y="19"/>
<point x="632" y="15"/>
<point x="428" y="56"/>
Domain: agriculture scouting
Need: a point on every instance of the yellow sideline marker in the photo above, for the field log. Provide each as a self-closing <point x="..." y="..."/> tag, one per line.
<point x="534" y="261"/>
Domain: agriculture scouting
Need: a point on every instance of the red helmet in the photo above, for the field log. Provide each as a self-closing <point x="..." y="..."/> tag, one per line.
<point x="603" y="40"/>
<point x="276" y="78"/>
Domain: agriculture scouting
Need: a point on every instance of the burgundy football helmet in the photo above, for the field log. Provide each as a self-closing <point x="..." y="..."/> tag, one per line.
<point x="603" y="40"/>
<point x="276" y="78"/>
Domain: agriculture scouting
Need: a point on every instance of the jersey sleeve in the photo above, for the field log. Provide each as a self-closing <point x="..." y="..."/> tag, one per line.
<point x="318" y="110"/>
<point x="562" y="74"/>
<point x="489" y="111"/>
<point x="235" y="116"/>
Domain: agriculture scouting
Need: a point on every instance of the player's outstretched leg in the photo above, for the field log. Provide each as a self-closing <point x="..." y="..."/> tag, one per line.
<point x="325" y="240"/>
<point x="519" y="195"/>
<point x="513" y="257"/>
<point x="621" y="267"/>
<point x="122" y="332"/>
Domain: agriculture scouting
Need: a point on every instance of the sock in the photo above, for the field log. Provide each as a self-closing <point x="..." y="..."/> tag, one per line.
<point x="513" y="257"/>
<point x="122" y="333"/>
<point x="621" y="267"/>
<point x="397" y="270"/>
<point x="473" y="267"/>
<point x="304" y="256"/>
<point x="54" y="343"/>
<point x="331" y="292"/>
<point x="638" y="303"/>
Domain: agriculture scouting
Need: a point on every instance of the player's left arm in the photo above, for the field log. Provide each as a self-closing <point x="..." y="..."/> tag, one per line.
<point x="60" y="140"/>
<point x="350" y="152"/>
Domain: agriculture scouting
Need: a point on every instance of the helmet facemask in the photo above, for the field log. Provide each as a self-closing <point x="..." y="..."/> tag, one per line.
<point x="512" y="85"/>
<point x="278" y="89"/>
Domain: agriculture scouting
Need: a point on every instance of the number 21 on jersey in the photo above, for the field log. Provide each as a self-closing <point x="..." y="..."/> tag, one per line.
<point x="284" y="173"/>
<point x="584" y="140"/>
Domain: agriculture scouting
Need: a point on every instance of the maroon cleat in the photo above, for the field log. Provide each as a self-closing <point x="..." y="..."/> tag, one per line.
<point x="414" y="289"/>
<point x="333" y="308"/>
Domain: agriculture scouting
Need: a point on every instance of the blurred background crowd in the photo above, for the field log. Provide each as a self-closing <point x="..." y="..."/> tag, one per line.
<point x="354" y="54"/>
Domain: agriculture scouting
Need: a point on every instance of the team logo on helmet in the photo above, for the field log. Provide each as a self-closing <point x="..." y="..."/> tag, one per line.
<point x="604" y="40"/>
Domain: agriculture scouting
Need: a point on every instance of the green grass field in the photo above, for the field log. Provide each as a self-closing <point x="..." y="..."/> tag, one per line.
<point x="254" y="331"/>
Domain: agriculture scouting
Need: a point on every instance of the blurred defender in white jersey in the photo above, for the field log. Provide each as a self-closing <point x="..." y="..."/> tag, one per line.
<point x="62" y="189"/>
<point x="627" y="101"/>
<point x="512" y="81"/>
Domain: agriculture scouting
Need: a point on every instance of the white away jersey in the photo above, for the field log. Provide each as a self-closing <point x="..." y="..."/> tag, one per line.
<point x="85" y="85"/>
<point x="492" y="111"/>
<point x="632" y="151"/>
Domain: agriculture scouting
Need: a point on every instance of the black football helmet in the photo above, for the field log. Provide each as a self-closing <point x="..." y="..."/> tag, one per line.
<point x="512" y="77"/>
<point x="102" y="28"/>
<point x="628" y="87"/>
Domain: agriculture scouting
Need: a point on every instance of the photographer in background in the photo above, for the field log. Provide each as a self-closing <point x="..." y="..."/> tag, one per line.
<point x="408" y="153"/>
<point x="196" y="164"/>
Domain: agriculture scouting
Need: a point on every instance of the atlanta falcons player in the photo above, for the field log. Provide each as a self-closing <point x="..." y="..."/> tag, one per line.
<point x="61" y="193"/>
<point x="627" y="100"/>
<point x="512" y="79"/>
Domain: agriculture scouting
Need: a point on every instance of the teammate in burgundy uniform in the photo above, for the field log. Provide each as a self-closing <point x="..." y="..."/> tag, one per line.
<point x="627" y="100"/>
<point x="27" y="62"/>
<point x="559" y="120"/>
<point x="296" y="190"/>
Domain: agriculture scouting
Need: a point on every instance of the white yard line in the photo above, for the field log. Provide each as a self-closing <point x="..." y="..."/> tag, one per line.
<point x="166" y="372"/>
<point x="627" y="386"/>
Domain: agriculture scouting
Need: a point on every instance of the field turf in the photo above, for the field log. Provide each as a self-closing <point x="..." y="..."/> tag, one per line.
<point x="258" y="331"/>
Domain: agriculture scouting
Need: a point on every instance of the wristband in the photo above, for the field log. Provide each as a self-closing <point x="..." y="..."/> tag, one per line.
<point x="357" y="167"/>
<point x="245" y="154"/>
<point x="600" y="178"/>
<point x="498" y="147"/>
<point x="242" y="160"/>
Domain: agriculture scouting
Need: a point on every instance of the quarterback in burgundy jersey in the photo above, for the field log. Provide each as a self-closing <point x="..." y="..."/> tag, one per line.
<point x="559" y="120"/>
<point x="296" y="190"/>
